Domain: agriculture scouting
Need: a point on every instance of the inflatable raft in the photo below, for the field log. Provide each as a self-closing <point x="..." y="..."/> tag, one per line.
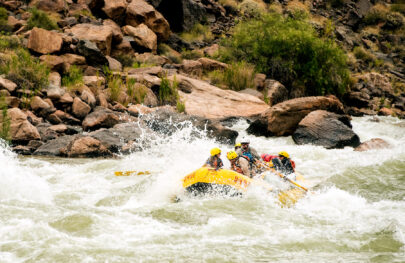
<point x="207" y="181"/>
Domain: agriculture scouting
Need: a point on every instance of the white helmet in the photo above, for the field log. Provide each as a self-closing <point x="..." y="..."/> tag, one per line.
<point x="245" y="140"/>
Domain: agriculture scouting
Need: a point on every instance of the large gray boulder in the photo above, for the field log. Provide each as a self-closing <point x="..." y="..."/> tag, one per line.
<point x="326" y="129"/>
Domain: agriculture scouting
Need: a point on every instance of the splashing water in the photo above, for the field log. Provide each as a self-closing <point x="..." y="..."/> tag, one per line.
<point x="76" y="210"/>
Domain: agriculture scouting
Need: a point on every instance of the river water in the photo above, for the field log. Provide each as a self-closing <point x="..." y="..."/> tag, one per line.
<point x="76" y="210"/>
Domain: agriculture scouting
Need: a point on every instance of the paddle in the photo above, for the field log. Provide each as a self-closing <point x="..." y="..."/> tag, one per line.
<point x="283" y="176"/>
<point x="128" y="173"/>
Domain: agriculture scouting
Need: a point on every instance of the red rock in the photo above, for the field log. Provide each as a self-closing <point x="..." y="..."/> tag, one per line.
<point x="101" y="35"/>
<point x="100" y="118"/>
<point x="385" y="112"/>
<point x="114" y="9"/>
<point x="86" y="147"/>
<point x="20" y="128"/>
<point x="144" y="38"/>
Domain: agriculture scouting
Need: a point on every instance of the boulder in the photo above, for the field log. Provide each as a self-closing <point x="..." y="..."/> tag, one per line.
<point x="114" y="64"/>
<point x="100" y="118"/>
<point x="167" y="122"/>
<point x="356" y="99"/>
<point x="7" y="84"/>
<point x="253" y="92"/>
<point x="115" y="9"/>
<point x="94" y="81"/>
<point x="21" y="130"/>
<point x="54" y="79"/>
<point x="150" y="58"/>
<point x="325" y="129"/>
<point x="101" y="35"/>
<point x="211" y="50"/>
<point x="66" y="98"/>
<point x="86" y="146"/>
<point x="139" y="11"/>
<point x="55" y="147"/>
<point x="59" y="128"/>
<point x="259" y="81"/>
<point x="92" y="53"/>
<point x="117" y="34"/>
<point x="32" y="118"/>
<point x="38" y="104"/>
<point x="145" y="40"/>
<point x="46" y="133"/>
<point x="14" y="23"/>
<point x="139" y="109"/>
<point x="12" y="102"/>
<point x="79" y="108"/>
<point x="73" y="59"/>
<point x="53" y="62"/>
<point x="275" y="92"/>
<point x="282" y="119"/>
<point x="88" y="97"/>
<point x="211" y="102"/>
<point x="114" y="139"/>
<point x="386" y="112"/>
<point x="67" y="22"/>
<point x="150" y="99"/>
<point x="211" y="64"/>
<point x="55" y="92"/>
<point x="44" y="42"/>
<point x="50" y="5"/>
<point x="373" y="144"/>
<point x="192" y="67"/>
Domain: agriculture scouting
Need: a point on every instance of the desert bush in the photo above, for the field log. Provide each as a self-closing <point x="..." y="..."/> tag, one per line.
<point x="191" y="54"/>
<point x="289" y="50"/>
<point x="9" y="43"/>
<point x="394" y="20"/>
<point x="237" y="76"/>
<point x="198" y="33"/>
<point x="40" y="19"/>
<point x="73" y="78"/>
<point x="252" y="8"/>
<point x="362" y="54"/>
<point x="398" y="7"/>
<point x="168" y="93"/>
<point x="3" y="20"/>
<point x="376" y="14"/>
<point x="26" y="71"/>
<point x="4" y="121"/>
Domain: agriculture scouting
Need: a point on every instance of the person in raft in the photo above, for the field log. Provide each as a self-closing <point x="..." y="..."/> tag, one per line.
<point x="283" y="163"/>
<point x="248" y="151"/>
<point x="239" y="164"/>
<point x="237" y="146"/>
<point x="215" y="159"/>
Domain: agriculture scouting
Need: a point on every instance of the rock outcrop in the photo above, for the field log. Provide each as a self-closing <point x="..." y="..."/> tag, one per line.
<point x="44" y="42"/>
<point x="325" y="129"/>
<point x="208" y="101"/>
<point x="282" y="119"/>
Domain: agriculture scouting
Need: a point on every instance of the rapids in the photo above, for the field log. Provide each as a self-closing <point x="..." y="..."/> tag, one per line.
<point x="76" y="210"/>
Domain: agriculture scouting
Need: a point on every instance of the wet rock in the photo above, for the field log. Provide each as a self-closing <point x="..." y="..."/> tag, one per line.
<point x="139" y="109"/>
<point x="23" y="150"/>
<point x="66" y="99"/>
<point x="21" y="130"/>
<point x="275" y="92"/>
<point x="79" y="108"/>
<point x="44" y="42"/>
<point x="325" y="129"/>
<point x="208" y="101"/>
<point x="167" y="122"/>
<point x="86" y="146"/>
<point x="100" y="118"/>
<point x="282" y="119"/>
<point x="139" y="11"/>
<point x="373" y="144"/>
<point x="386" y="112"/>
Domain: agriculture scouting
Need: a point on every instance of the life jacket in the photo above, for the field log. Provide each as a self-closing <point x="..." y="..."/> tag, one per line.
<point x="292" y="163"/>
<point x="215" y="162"/>
<point x="236" y="165"/>
<point x="268" y="157"/>
<point x="248" y="155"/>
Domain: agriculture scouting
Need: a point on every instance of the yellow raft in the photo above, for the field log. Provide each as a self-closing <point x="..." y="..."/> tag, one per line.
<point x="207" y="180"/>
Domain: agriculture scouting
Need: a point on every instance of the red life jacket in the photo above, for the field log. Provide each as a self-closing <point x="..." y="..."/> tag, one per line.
<point x="268" y="157"/>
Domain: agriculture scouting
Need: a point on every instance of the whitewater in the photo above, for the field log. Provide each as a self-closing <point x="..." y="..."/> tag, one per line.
<point x="77" y="210"/>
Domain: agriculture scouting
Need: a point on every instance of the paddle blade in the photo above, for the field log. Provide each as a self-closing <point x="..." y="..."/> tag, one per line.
<point x="129" y="173"/>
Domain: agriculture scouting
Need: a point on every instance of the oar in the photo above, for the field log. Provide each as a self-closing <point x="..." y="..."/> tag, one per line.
<point x="284" y="177"/>
<point x="128" y="173"/>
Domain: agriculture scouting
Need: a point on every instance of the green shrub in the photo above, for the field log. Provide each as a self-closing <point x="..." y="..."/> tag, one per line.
<point x="362" y="54"/>
<point x="40" y="19"/>
<point x="251" y="8"/>
<point x="180" y="106"/>
<point x="114" y="84"/>
<point x="73" y="78"/>
<point x="400" y="7"/>
<point x="289" y="50"/>
<point x="238" y="76"/>
<point x="9" y="43"/>
<point x="26" y="71"/>
<point x="136" y="91"/>
<point x="3" y="20"/>
<point x="376" y="14"/>
<point x="168" y="93"/>
<point x="198" y="33"/>
<point x="4" y="121"/>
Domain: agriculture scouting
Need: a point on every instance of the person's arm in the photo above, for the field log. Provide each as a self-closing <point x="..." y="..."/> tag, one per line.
<point x="244" y="165"/>
<point x="254" y="153"/>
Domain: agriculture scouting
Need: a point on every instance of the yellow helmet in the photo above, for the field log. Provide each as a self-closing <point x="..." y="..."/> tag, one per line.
<point x="231" y="155"/>
<point x="215" y="151"/>
<point x="283" y="153"/>
<point x="238" y="145"/>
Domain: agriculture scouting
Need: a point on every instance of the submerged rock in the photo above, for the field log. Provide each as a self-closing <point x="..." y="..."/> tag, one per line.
<point x="326" y="129"/>
<point x="375" y="143"/>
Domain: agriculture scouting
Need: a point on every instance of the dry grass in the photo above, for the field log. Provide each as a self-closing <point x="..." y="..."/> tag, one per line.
<point x="237" y="77"/>
<point x="297" y="6"/>
<point x="252" y="8"/>
<point x="198" y="33"/>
